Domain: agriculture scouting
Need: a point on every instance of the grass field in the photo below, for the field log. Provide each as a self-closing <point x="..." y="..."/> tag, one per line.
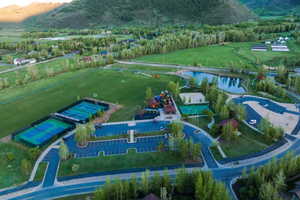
<point x="233" y="54"/>
<point x="10" y="170"/>
<point x="77" y="197"/>
<point x="201" y="122"/>
<point x="143" y="68"/>
<point x="20" y="106"/>
<point x="119" y="162"/>
<point x="249" y="142"/>
<point x="39" y="176"/>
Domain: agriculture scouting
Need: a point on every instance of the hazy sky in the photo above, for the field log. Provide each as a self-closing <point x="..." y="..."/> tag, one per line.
<point x="25" y="2"/>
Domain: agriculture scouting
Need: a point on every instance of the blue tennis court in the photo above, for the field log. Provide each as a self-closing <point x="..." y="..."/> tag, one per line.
<point x="43" y="132"/>
<point x="83" y="110"/>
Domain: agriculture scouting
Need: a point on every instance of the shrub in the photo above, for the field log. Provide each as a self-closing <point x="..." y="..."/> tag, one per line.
<point x="10" y="156"/>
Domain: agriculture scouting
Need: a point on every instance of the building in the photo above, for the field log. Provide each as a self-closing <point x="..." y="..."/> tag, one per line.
<point x="279" y="47"/>
<point x="21" y="61"/>
<point x="259" y="47"/>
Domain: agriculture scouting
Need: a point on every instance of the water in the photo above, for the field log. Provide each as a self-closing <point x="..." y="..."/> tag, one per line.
<point x="226" y="83"/>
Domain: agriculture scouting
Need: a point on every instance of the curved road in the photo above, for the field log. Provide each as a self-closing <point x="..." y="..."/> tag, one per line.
<point x="51" y="188"/>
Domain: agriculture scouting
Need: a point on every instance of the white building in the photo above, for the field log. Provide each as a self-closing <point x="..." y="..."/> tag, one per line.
<point x="21" y="61"/>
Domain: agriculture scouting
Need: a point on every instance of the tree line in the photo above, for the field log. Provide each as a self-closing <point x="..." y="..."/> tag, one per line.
<point x="197" y="184"/>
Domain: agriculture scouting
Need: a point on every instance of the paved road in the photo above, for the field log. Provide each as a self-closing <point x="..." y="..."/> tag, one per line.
<point x="51" y="189"/>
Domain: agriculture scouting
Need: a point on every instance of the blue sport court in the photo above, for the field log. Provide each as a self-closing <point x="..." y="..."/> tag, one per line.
<point x="41" y="133"/>
<point x="83" y="111"/>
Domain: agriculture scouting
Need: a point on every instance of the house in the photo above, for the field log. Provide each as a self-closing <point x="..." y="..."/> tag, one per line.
<point x="18" y="61"/>
<point x="268" y="42"/>
<point x="259" y="47"/>
<point x="21" y="61"/>
<point x="151" y="197"/>
<point x="87" y="59"/>
<point x="279" y="47"/>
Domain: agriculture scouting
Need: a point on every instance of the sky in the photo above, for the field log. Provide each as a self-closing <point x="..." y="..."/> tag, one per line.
<point x="4" y="3"/>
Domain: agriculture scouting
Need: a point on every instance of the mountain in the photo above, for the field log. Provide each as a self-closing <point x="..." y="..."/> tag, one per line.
<point x="16" y="13"/>
<point x="273" y="7"/>
<point x="82" y="13"/>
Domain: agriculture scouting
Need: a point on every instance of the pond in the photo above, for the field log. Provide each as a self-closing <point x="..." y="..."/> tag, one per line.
<point x="226" y="83"/>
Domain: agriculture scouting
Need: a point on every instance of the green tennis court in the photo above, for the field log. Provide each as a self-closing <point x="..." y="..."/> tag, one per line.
<point x="193" y="109"/>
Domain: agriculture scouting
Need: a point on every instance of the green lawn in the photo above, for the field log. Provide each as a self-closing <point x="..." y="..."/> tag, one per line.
<point x="77" y="197"/>
<point x="56" y="64"/>
<point x="201" y="122"/>
<point x="20" y="106"/>
<point x="10" y="171"/>
<point x="239" y="54"/>
<point x="249" y="142"/>
<point x="39" y="176"/>
<point x="143" y="68"/>
<point x="119" y="162"/>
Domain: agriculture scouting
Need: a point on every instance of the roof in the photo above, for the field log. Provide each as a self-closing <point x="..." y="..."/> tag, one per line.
<point x="151" y="197"/>
<point x="259" y="46"/>
<point x="234" y="123"/>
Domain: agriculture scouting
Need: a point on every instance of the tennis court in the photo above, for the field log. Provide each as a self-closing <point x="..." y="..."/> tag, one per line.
<point x="41" y="133"/>
<point x="83" y="111"/>
<point x="193" y="109"/>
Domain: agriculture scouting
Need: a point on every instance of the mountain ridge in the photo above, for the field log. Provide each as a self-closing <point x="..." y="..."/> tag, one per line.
<point x="16" y="13"/>
<point x="87" y="13"/>
<point x="273" y="7"/>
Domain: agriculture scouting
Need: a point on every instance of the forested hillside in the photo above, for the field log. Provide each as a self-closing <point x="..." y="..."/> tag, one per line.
<point x="82" y="13"/>
<point x="274" y="7"/>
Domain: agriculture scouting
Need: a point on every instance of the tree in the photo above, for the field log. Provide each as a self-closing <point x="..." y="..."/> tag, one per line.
<point x="297" y="84"/>
<point x="133" y="186"/>
<point x="90" y="127"/>
<point x="176" y="129"/>
<point x="193" y="82"/>
<point x="156" y="183"/>
<point x="181" y="180"/>
<point x="63" y="151"/>
<point x="149" y="94"/>
<point x="209" y="114"/>
<point x="224" y="114"/>
<point x="174" y="88"/>
<point x="25" y="166"/>
<point x="145" y="185"/>
<point x="204" y="85"/>
<point x="228" y="131"/>
<point x="81" y="135"/>
<point x="268" y="192"/>
<point x="240" y="112"/>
